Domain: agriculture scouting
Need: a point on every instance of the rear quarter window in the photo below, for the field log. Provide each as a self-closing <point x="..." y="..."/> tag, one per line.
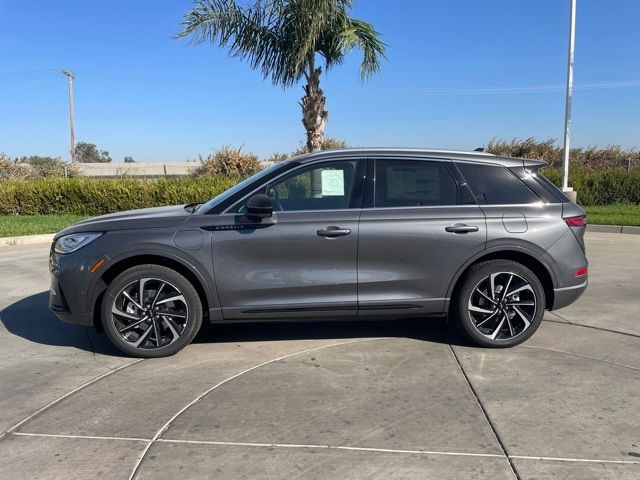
<point x="495" y="185"/>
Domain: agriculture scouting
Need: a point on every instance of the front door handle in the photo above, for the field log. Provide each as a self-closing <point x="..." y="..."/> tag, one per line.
<point x="332" y="231"/>
<point x="461" y="228"/>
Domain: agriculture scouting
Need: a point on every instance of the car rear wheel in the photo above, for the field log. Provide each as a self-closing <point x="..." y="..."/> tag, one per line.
<point x="500" y="304"/>
<point x="151" y="311"/>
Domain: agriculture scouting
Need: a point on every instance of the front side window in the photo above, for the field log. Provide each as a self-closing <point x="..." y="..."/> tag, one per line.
<point x="324" y="186"/>
<point x="215" y="201"/>
<point x="413" y="183"/>
<point x="495" y="185"/>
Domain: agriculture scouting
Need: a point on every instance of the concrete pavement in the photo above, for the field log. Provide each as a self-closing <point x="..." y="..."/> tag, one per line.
<point x="392" y="399"/>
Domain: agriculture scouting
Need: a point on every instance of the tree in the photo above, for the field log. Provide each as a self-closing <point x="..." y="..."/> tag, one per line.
<point x="129" y="159"/>
<point x="89" y="153"/>
<point x="282" y="38"/>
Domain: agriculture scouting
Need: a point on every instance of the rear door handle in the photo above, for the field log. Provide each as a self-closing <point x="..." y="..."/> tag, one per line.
<point x="461" y="228"/>
<point x="332" y="231"/>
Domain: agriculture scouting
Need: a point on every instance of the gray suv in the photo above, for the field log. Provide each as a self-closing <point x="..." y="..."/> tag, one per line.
<point x="361" y="233"/>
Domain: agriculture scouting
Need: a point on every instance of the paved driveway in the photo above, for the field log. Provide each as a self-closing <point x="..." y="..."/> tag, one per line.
<point x="383" y="400"/>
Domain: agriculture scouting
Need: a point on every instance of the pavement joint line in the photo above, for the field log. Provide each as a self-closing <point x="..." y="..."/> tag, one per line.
<point x="93" y="352"/>
<point x="67" y="395"/>
<point x="134" y="472"/>
<point x="84" y="437"/>
<point x="486" y="414"/>
<point x="560" y="317"/>
<point x="576" y="460"/>
<point x="594" y="328"/>
<point x="582" y="356"/>
<point x="329" y="447"/>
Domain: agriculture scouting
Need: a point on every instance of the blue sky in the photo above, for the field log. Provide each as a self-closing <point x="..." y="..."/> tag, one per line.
<point x="141" y="93"/>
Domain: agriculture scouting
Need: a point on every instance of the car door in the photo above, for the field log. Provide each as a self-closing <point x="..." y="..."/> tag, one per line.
<point x="301" y="261"/>
<point x="513" y="211"/>
<point x="418" y="227"/>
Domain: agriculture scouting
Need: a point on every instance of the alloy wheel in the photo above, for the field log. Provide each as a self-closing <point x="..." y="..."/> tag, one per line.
<point x="150" y="313"/>
<point x="502" y="305"/>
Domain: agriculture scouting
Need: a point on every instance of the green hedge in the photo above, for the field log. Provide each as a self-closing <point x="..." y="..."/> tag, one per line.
<point x="91" y="196"/>
<point x="601" y="187"/>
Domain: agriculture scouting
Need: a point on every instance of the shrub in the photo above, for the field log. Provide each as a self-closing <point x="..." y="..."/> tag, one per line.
<point x="48" y="167"/>
<point x="11" y="170"/>
<point x="600" y="187"/>
<point x="277" y="157"/>
<point x="590" y="158"/>
<point x="228" y="162"/>
<point x="92" y="196"/>
<point x="328" y="143"/>
<point x="33" y="167"/>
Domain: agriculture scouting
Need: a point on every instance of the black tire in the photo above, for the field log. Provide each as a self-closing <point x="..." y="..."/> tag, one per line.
<point x="177" y="321"/>
<point x="479" y="326"/>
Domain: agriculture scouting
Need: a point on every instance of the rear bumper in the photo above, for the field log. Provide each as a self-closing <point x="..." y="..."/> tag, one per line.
<point x="563" y="297"/>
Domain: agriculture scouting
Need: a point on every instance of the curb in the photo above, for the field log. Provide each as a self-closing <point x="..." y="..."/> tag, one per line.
<point x="613" y="229"/>
<point x="26" y="240"/>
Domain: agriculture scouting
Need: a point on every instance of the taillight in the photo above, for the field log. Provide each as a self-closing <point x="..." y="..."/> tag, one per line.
<point x="580" y="272"/>
<point x="577" y="221"/>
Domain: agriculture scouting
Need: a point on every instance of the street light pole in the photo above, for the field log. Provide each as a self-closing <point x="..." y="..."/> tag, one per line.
<point x="71" y="76"/>
<point x="567" y="110"/>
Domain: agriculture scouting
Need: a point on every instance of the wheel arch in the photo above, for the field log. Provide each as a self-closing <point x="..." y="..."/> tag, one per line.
<point x="528" y="258"/>
<point x="153" y="258"/>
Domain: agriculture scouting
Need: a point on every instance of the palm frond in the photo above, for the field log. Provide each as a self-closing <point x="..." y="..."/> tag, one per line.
<point x="282" y="37"/>
<point x="362" y="34"/>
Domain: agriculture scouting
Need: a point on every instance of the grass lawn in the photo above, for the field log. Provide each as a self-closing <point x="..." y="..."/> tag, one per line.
<point x="614" y="215"/>
<point x="16" y="225"/>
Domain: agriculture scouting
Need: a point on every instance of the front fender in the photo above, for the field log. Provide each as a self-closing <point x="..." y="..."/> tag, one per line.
<point x="197" y="262"/>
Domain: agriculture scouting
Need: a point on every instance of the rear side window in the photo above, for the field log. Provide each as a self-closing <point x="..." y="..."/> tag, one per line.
<point x="413" y="183"/>
<point x="495" y="185"/>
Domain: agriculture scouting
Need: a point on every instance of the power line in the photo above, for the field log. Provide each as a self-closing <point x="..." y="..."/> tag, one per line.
<point x="154" y="78"/>
<point x="513" y="89"/>
<point x="30" y="74"/>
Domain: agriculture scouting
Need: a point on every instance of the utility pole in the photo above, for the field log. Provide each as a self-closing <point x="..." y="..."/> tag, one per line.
<point x="71" y="76"/>
<point x="567" y="109"/>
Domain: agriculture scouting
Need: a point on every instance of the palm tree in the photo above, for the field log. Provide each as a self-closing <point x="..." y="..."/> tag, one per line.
<point x="283" y="38"/>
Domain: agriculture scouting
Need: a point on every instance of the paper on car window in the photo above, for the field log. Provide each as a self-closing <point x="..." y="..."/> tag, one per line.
<point x="332" y="183"/>
<point x="410" y="183"/>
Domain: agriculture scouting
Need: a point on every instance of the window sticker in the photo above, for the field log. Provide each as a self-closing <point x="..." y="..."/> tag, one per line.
<point x="411" y="183"/>
<point x="333" y="183"/>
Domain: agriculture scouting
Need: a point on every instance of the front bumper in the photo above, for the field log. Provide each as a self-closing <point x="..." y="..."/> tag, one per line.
<point x="72" y="286"/>
<point x="563" y="297"/>
<point x="60" y="308"/>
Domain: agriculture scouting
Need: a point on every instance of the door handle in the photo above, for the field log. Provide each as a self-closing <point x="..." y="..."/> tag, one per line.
<point x="332" y="231"/>
<point x="461" y="228"/>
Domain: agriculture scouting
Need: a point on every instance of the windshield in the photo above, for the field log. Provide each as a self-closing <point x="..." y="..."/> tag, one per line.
<point x="236" y="188"/>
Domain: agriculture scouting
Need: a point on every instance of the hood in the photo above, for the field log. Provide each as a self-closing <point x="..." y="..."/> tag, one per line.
<point x="156" y="217"/>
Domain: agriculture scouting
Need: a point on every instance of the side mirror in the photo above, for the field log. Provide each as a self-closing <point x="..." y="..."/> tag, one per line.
<point x="259" y="206"/>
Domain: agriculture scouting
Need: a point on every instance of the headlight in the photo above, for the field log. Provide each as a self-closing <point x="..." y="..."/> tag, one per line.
<point x="73" y="242"/>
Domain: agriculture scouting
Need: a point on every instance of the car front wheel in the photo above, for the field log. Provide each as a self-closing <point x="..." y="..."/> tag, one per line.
<point x="151" y="311"/>
<point x="501" y="304"/>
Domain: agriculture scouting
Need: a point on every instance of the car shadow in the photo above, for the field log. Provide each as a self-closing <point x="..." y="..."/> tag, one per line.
<point x="31" y="319"/>
<point x="432" y="329"/>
